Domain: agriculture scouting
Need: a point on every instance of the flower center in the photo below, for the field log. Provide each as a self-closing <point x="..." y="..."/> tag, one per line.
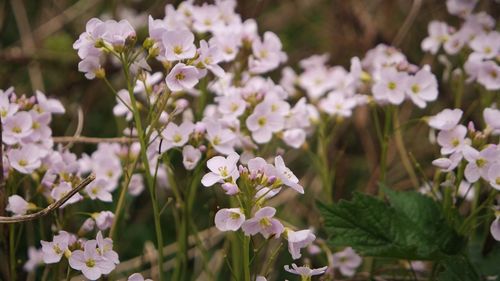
<point x="177" y="138"/>
<point x="177" y="50"/>
<point x="493" y="74"/>
<point x="481" y="162"/>
<point x="223" y="171"/>
<point x="497" y="180"/>
<point x="415" y="88"/>
<point x="16" y="129"/>
<point x="487" y="50"/>
<point x="455" y="142"/>
<point x="180" y="76"/>
<point x="391" y="85"/>
<point x="265" y="222"/>
<point x="90" y="263"/>
<point x="35" y="125"/>
<point x="216" y="140"/>
<point x="234" y="216"/>
<point x="262" y="121"/>
<point x="56" y="249"/>
<point x="234" y="107"/>
<point x="22" y="162"/>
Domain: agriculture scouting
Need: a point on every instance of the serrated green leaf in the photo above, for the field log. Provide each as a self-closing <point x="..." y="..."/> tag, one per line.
<point x="411" y="227"/>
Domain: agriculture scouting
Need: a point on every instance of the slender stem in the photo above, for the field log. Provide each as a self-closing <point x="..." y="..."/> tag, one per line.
<point x="147" y="170"/>
<point x="121" y="198"/>
<point x="384" y="148"/>
<point x="12" y="252"/>
<point x="403" y="153"/>
<point x="246" y="258"/>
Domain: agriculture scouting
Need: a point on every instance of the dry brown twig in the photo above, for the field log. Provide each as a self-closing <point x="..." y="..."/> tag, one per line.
<point x="82" y="139"/>
<point x="52" y="206"/>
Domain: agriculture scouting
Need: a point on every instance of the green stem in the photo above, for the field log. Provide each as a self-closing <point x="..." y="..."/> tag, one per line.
<point x="147" y="171"/>
<point x="12" y="252"/>
<point x="324" y="167"/>
<point x="246" y="258"/>
<point x="384" y="148"/>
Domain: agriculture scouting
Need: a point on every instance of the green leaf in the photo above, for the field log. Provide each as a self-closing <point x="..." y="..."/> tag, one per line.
<point x="411" y="227"/>
<point x="458" y="269"/>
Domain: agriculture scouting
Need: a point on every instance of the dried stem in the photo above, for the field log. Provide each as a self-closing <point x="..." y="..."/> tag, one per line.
<point x="52" y="206"/>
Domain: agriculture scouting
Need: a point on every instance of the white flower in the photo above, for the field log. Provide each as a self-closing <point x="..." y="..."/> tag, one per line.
<point x="391" y="87"/>
<point x="35" y="258"/>
<point x="61" y="190"/>
<point x="495" y="226"/>
<point x="422" y="87"/>
<point x="90" y="262"/>
<point x="26" y="159"/>
<point x="347" y="261"/>
<point x="453" y="140"/>
<point x="479" y="163"/>
<point x="494" y="176"/>
<point x="286" y="175"/>
<point x="137" y="277"/>
<point x="176" y="136"/>
<point x="19" y="206"/>
<point x="229" y="219"/>
<point x="446" y="120"/>
<point x="104" y="219"/>
<point x="297" y="240"/>
<point x="190" y="157"/>
<point x="53" y="251"/>
<point x="438" y="34"/>
<point x="294" y="137"/>
<point x="263" y="122"/>
<point x="179" y="45"/>
<point x="492" y="118"/>
<point x="17" y="127"/>
<point x="182" y="77"/>
<point x="97" y="189"/>
<point x="489" y="75"/>
<point x="221" y="170"/>
<point x="305" y="271"/>
<point x="263" y="223"/>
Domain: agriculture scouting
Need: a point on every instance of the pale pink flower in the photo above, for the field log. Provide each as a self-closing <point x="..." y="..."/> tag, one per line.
<point x="453" y="140"/>
<point x="179" y="45"/>
<point x="347" y="261"/>
<point x="298" y="240"/>
<point x="90" y="66"/>
<point x="391" y="87"/>
<point x="460" y="7"/>
<point x="209" y="57"/>
<point x="190" y="157"/>
<point x="495" y="227"/>
<point x="97" y="190"/>
<point x="35" y="259"/>
<point x="136" y="185"/>
<point x="494" y="176"/>
<point x="17" y="127"/>
<point x="229" y="219"/>
<point x="61" y="190"/>
<point x="90" y="262"/>
<point x="47" y="105"/>
<point x="479" y="163"/>
<point x="231" y="106"/>
<point x="422" y="87"/>
<point x="486" y="45"/>
<point x="26" y="159"/>
<point x="489" y="75"/>
<point x="448" y="164"/>
<point x="267" y="54"/>
<point x="137" y="277"/>
<point x="177" y="136"/>
<point x="336" y="104"/>
<point x="294" y="137"/>
<point x="446" y="119"/>
<point x="492" y="118"/>
<point x="221" y="170"/>
<point x="182" y="77"/>
<point x="222" y="139"/>
<point x="104" y="219"/>
<point x="263" y="223"/>
<point x="305" y="271"/>
<point x="18" y="206"/>
<point x="439" y="32"/>
<point x="53" y="251"/>
<point x="286" y="175"/>
<point x="263" y="122"/>
<point x="105" y="249"/>
<point x="123" y="104"/>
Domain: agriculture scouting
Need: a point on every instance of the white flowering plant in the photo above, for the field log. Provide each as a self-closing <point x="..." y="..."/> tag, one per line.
<point x="241" y="155"/>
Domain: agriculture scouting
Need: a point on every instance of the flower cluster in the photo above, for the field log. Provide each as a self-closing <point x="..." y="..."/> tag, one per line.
<point x="466" y="149"/>
<point x="476" y="39"/>
<point x="253" y="184"/>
